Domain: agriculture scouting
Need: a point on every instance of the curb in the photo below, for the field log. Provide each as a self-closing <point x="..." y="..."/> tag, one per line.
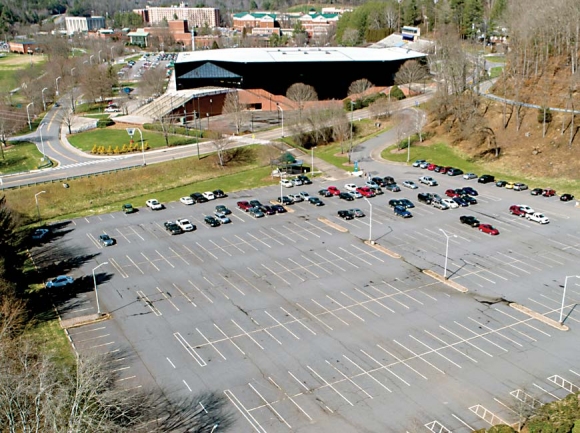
<point x="383" y="249"/>
<point x="449" y="283"/>
<point x="535" y="315"/>
<point x="86" y="320"/>
<point x="333" y="225"/>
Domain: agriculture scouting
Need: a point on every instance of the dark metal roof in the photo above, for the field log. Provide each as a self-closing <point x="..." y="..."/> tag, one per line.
<point x="209" y="70"/>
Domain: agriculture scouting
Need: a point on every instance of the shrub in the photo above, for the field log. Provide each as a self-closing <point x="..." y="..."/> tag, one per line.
<point x="501" y="428"/>
<point x="397" y="93"/>
<point x="95" y="149"/>
<point x="103" y="123"/>
<point x="541" y="115"/>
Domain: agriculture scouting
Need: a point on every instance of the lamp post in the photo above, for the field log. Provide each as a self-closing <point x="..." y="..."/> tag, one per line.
<point x="210" y="106"/>
<point x="131" y="131"/>
<point x="57" y="78"/>
<point x="312" y="160"/>
<point x="100" y="56"/>
<point x="564" y="297"/>
<point x="91" y="59"/>
<point x="351" y="126"/>
<point x="446" y="252"/>
<point x="43" y="101"/>
<point x="281" y="111"/>
<point x="207" y="115"/>
<point x="370" y="219"/>
<point x="281" y="195"/>
<point x="213" y="428"/>
<point x="28" y="114"/>
<point x="95" y="283"/>
<point x="42" y="141"/>
<point x="36" y="200"/>
<point x="112" y="54"/>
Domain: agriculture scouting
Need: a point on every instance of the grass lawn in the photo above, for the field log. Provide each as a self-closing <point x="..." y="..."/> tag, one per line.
<point x="495" y="59"/>
<point x="10" y="74"/>
<point x="97" y="116"/>
<point x="113" y="137"/>
<point x="49" y="335"/>
<point x="91" y="108"/>
<point x="495" y="72"/>
<point x="173" y="179"/>
<point x="20" y="156"/>
<point x="442" y="154"/>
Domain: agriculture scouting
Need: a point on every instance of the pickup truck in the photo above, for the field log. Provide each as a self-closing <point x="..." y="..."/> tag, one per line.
<point x="469" y="220"/>
<point x="538" y="217"/>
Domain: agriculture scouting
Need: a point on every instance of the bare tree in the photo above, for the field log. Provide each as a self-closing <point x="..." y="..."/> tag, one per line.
<point x="97" y="82"/>
<point x="300" y="93"/>
<point x="68" y="118"/>
<point x="410" y="72"/>
<point x="382" y="107"/>
<point x="341" y="129"/>
<point x="358" y="88"/>
<point x="350" y="37"/>
<point x="11" y="121"/>
<point x="221" y="144"/>
<point x="152" y="82"/>
<point x="235" y="109"/>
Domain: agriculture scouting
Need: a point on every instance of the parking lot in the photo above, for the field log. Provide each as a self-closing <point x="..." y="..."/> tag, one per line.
<point x="304" y="327"/>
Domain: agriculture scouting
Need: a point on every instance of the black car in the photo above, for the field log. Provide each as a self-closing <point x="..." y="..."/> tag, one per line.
<point x="388" y="180"/>
<point x="198" y="197"/>
<point x="395" y="202"/>
<point x="284" y="200"/>
<point x="325" y="193"/>
<point x="469" y="199"/>
<point x="255" y="203"/>
<point x="379" y="181"/>
<point x="218" y="193"/>
<point x="469" y="190"/>
<point x="566" y="197"/>
<point x="454" y="172"/>
<point x="501" y="183"/>
<point x="346" y="214"/>
<point x="346" y="196"/>
<point x="406" y="203"/>
<point x="536" y="191"/>
<point x="437" y="168"/>
<point x="267" y="210"/>
<point x="211" y="221"/>
<point x="460" y="201"/>
<point x="278" y="208"/>
<point x="305" y="180"/>
<point x="469" y="220"/>
<point x="486" y="178"/>
<point x="315" y="201"/>
<point x="172" y="228"/>
<point x="425" y="197"/>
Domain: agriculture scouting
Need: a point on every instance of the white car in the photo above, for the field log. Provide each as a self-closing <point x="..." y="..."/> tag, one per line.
<point x="538" y="217"/>
<point x="286" y="183"/>
<point x="209" y="195"/>
<point x="418" y="162"/>
<point x="526" y="208"/>
<point x="469" y="176"/>
<point x="185" y="225"/>
<point x="112" y="110"/>
<point x="428" y="180"/>
<point x="154" y="204"/>
<point x="186" y="200"/>
<point x="410" y="184"/>
<point x="296" y="182"/>
<point x="450" y="203"/>
<point x="424" y="164"/>
<point x="296" y="198"/>
<point x="356" y="194"/>
<point x="350" y="187"/>
<point x="304" y="195"/>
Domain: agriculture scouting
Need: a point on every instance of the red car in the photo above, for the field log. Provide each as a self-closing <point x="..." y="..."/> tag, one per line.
<point x="444" y="170"/>
<point x="488" y="228"/>
<point x="451" y="193"/>
<point x="518" y="211"/>
<point x="333" y="190"/>
<point x="365" y="191"/>
<point x="549" y="192"/>
<point x="244" y="205"/>
<point x="431" y="167"/>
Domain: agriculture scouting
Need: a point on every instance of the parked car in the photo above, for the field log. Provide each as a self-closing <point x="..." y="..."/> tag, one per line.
<point x="440" y="205"/>
<point x="437" y="169"/>
<point x="350" y="187"/>
<point x="296" y="182"/>
<point x="431" y="167"/>
<point x="39" y="234"/>
<point x="223" y="219"/>
<point x="305" y="180"/>
<point x="526" y="208"/>
<point x="444" y="170"/>
<point x="333" y="190"/>
<point x="128" y="208"/>
<point x="186" y="200"/>
<point x="460" y="201"/>
<point x="428" y="180"/>
<point x="218" y="193"/>
<point x="389" y="180"/>
<point x="486" y="178"/>
<point x="153" y="204"/>
<point x="255" y="203"/>
<point x="393" y="187"/>
<point x="112" y="110"/>
<point x="325" y="193"/>
<point x="469" y="190"/>
<point x="425" y="197"/>
<point x="424" y="164"/>
<point x="185" y="225"/>
<point x="198" y="197"/>
<point x="566" y="197"/>
<point x="356" y="194"/>
<point x="406" y="203"/>
<point x="222" y="209"/>
<point x="520" y="186"/>
<point x="60" y="281"/>
<point x="451" y="193"/>
<point x="402" y="212"/>
<point x="549" y="192"/>
<point x="470" y="176"/>
<point x="488" y="228"/>
<point x="517" y="211"/>
<point x="379" y="181"/>
<point x="357" y="212"/>
<point x="410" y="184"/>
<point x="209" y="195"/>
<point x="469" y="220"/>
<point x="536" y="191"/>
<point x="346" y="196"/>
<point x="372" y="184"/>
<point x="304" y="195"/>
<point x="106" y="240"/>
<point x="418" y="162"/>
<point x="538" y="217"/>
<point x="278" y="208"/>
<point x="365" y="191"/>
<point x="454" y="172"/>
<point x="501" y="183"/>
<point x="212" y="221"/>
<point x="296" y="198"/>
<point x="450" y="203"/>
<point x="284" y="200"/>
<point x="469" y="199"/>
<point x="243" y="205"/>
<point x="286" y="183"/>
<point x="172" y="228"/>
<point x="315" y="201"/>
<point x="395" y="202"/>
<point x="509" y="185"/>
<point x="256" y="212"/>
<point x="346" y="215"/>
<point x="268" y="210"/>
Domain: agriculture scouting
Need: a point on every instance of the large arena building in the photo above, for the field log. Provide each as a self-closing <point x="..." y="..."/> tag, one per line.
<point x="329" y="70"/>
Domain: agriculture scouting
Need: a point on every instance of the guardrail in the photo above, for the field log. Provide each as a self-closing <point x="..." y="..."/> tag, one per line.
<point x="65" y="178"/>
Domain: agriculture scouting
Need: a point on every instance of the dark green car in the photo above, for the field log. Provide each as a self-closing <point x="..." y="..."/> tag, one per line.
<point x="128" y="208"/>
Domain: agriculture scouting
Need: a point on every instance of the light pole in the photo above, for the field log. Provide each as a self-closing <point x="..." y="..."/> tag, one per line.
<point x="43" y="101"/>
<point x="207" y="115"/>
<point x="564" y="296"/>
<point x="281" y="111"/>
<point x="36" y="200"/>
<point x="91" y="59"/>
<point x="112" y="59"/>
<point x="131" y="131"/>
<point x="57" y="78"/>
<point x="370" y="219"/>
<point x="351" y="126"/>
<point x="213" y="428"/>
<point x="446" y="252"/>
<point x="312" y="160"/>
<point x="42" y="141"/>
<point x="95" y="283"/>
<point x="100" y="56"/>
<point x="281" y="195"/>
<point x="210" y="107"/>
<point x="28" y="114"/>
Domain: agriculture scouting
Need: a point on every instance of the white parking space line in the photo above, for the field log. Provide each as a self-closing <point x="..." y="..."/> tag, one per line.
<point x="184" y="295"/>
<point x="366" y="373"/>
<point x="386" y="368"/>
<point x="233" y="285"/>
<point x="525" y="323"/>
<point x="485" y="270"/>
<point x="211" y="344"/>
<point x="164" y="258"/>
<point x="189" y="349"/>
<point x="314" y="316"/>
<point x="403" y="293"/>
<point x="436" y="351"/>
<point x="546" y="391"/>
<point x="348" y="379"/>
<point x="316" y="227"/>
<point x="274" y="411"/>
<point x="206" y="250"/>
<point x="135" y="264"/>
<point x="466" y="341"/>
<point x="192" y="253"/>
<point x="376" y="300"/>
<point x="541" y="262"/>
<point x="343" y="259"/>
<point x="326" y="310"/>
<point x="92" y="338"/>
<point x="467" y="274"/>
<point x="152" y="264"/>
<point x="135" y="233"/>
<point x="282" y="325"/>
<point x="316" y="264"/>
<point x="100" y="345"/>
<point x="342" y="307"/>
<point x="303" y="268"/>
<point x="216" y="288"/>
<point x="200" y="291"/>
<point x="246" y="281"/>
<point x="482" y="337"/>
<point x="220" y="248"/>
<point x="240" y="407"/>
<point x="481" y="325"/>
<point x="229" y="339"/>
<point x="247" y="335"/>
<point x="284" y="236"/>
<point x="152" y="307"/>
<point x="290" y="398"/>
<point x="360" y="304"/>
<point x="121" y="234"/>
<point x="297" y="320"/>
<point x="462" y="422"/>
<point x="259" y="240"/>
<point x="289" y="270"/>
<point x="297" y="233"/>
<point x="74" y="334"/>
<point x="267" y="236"/>
<point x="449" y="345"/>
<point x="504" y="262"/>
<point x="246" y="243"/>
<point x="274" y="273"/>
<point x="233" y="245"/>
<point x="329" y="385"/>
<point x="94" y="241"/>
<point x="386" y="295"/>
<point x="167" y="298"/>
<point x="330" y="262"/>
<point x="176" y="254"/>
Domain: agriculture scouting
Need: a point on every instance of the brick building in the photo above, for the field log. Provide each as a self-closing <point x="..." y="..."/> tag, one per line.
<point x="265" y="23"/>
<point x="196" y="17"/>
<point x="22" y="47"/>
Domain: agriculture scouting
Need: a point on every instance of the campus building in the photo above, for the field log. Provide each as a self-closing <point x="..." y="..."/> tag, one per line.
<point x="84" y="24"/>
<point x="196" y="17"/>
<point x="267" y="23"/>
<point x="329" y="70"/>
